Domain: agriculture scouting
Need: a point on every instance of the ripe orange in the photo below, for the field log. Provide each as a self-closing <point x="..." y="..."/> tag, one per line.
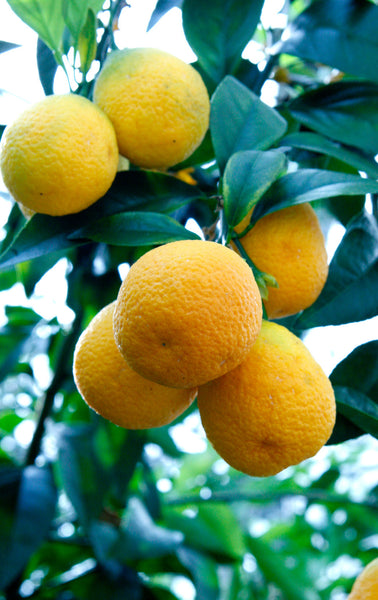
<point x="275" y="409"/>
<point x="59" y="156"/>
<point x="365" y="586"/>
<point x="113" y="389"/>
<point x="288" y="244"/>
<point x="187" y="312"/>
<point x="157" y="103"/>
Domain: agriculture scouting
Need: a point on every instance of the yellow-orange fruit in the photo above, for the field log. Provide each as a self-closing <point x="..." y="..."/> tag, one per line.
<point x="59" y="156"/>
<point x="187" y="312"/>
<point x="109" y="385"/>
<point x="365" y="586"/>
<point x="158" y="104"/>
<point x="275" y="409"/>
<point x="288" y="244"/>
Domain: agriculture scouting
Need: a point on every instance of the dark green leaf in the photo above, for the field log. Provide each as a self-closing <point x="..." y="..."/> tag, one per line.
<point x="351" y="290"/>
<point x="13" y="335"/>
<point x="131" y="190"/>
<point x="135" y="229"/>
<point x="358" y="409"/>
<point x="359" y="370"/>
<point x="307" y="185"/>
<point x="44" y="16"/>
<point x="34" y="510"/>
<point x="161" y="8"/>
<point x="251" y="124"/>
<point x="204" y="572"/>
<point x="85" y="479"/>
<point x="337" y="33"/>
<point x="246" y="178"/>
<point x="218" y="32"/>
<point x="317" y="143"/>
<point x="346" y="111"/>
<point x="47" y="67"/>
<point x="5" y="46"/>
<point x="137" y="536"/>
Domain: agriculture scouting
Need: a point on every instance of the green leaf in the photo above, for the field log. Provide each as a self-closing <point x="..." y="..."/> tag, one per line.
<point x="346" y="111"/>
<point x="87" y="44"/>
<point x="211" y="531"/>
<point x="246" y="178"/>
<point x="307" y="185"/>
<point x="75" y="15"/>
<point x="358" y="409"/>
<point x="5" y="46"/>
<point x="131" y="190"/>
<point x="218" y="32"/>
<point x="317" y="143"/>
<point x="34" y="510"/>
<point x="351" y="290"/>
<point x="239" y="120"/>
<point x="274" y="570"/>
<point x="204" y="572"/>
<point x="161" y="8"/>
<point x="135" y="229"/>
<point x="44" y="16"/>
<point x="337" y="33"/>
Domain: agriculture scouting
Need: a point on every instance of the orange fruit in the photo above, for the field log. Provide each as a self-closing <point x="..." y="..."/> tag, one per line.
<point x="187" y="312"/>
<point x="275" y="409"/>
<point x="113" y="389"/>
<point x="365" y="586"/>
<point x="288" y="244"/>
<point x="59" y="156"/>
<point x="158" y="104"/>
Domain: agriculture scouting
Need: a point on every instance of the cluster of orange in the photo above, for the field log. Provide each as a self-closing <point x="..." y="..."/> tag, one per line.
<point x="187" y="322"/>
<point x="61" y="155"/>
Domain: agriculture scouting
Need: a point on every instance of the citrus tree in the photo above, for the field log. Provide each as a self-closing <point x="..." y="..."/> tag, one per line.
<point x="264" y="144"/>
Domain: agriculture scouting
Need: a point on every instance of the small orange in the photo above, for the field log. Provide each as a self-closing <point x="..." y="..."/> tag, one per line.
<point x="113" y="389"/>
<point x="59" y="156"/>
<point x="288" y="244"/>
<point x="275" y="409"/>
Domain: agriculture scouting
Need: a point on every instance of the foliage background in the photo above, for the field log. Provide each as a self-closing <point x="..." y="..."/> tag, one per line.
<point x="90" y="510"/>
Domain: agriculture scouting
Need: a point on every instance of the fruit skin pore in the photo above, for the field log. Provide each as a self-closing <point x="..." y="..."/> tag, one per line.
<point x="365" y="586"/>
<point x="113" y="389"/>
<point x="276" y="409"/>
<point x="187" y="312"/>
<point x="59" y="156"/>
<point x="158" y="104"/>
<point x="288" y="244"/>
